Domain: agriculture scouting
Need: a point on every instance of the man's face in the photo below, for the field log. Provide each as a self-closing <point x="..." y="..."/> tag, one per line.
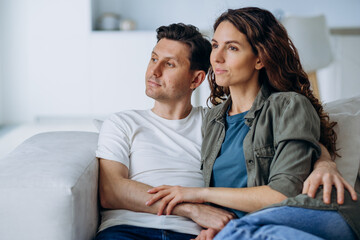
<point x="168" y="75"/>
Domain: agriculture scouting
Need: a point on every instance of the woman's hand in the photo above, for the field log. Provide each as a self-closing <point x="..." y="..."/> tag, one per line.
<point x="207" y="234"/>
<point x="326" y="173"/>
<point x="170" y="196"/>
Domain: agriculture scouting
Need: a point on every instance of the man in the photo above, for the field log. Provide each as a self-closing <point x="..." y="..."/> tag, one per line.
<point x="142" y="149"/>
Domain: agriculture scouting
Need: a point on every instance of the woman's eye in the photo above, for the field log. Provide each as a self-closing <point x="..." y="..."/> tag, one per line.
<point x="170" y="64"/>
<point x="214" y="45"/>
<point x="233" y="48"/>
<point x="153" y="59"/>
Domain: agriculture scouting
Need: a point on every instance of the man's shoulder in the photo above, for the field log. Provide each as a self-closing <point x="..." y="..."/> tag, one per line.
<point x="127" y="114"/>
<point x="124" y="118"/>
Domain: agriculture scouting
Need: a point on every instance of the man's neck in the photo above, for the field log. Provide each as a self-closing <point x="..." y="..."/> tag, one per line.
<point x="172" y="111"/>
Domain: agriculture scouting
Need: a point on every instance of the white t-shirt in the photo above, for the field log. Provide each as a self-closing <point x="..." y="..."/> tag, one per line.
<point x="157" y="151"/>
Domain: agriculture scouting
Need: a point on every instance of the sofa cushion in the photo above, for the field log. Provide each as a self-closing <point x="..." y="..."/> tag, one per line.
<point x="346" y="112"/>
<point x="48" y="188"/>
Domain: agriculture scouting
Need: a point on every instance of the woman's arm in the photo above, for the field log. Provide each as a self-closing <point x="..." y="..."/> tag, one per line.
<point x="243" y="199"/>
<point x="296" y="134"/>
<point x="326" y="173"/>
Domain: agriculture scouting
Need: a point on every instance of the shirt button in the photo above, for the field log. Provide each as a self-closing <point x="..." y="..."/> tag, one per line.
<point x="251" y="161"/>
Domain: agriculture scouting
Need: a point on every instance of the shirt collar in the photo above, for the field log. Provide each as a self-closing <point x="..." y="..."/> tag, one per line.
<point x="259" y="101"/>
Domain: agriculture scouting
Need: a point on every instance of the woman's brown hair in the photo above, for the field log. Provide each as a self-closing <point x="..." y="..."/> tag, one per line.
<point x="282" y="69"/>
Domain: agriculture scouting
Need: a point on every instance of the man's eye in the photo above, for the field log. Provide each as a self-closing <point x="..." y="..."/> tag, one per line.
<point x="170" y="64"/>
<point x="214" y="45"/>
<point x="153" y="59"/>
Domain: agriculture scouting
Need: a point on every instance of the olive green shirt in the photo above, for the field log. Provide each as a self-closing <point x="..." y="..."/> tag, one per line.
<point x="280" y="147"/>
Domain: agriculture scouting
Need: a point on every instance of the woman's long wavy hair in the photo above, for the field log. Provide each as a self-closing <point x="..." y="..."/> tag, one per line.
<point x="282" y="69"/>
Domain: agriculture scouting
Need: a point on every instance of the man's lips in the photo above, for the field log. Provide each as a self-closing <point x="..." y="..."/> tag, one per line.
<point x="219" y="71"/>
<point x="153" y="83"/>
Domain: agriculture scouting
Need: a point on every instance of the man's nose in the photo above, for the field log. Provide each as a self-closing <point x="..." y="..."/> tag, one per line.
<point x="156" y="70"/>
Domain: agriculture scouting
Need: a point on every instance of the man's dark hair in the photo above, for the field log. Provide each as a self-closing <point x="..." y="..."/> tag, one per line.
<point x="200" y="47"/>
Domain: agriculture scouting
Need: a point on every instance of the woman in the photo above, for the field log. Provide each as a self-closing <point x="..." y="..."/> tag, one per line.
<point x="260" y="143"/>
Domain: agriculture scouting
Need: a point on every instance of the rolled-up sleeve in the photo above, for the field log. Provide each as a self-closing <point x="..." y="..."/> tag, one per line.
<point x="296" y="137"/>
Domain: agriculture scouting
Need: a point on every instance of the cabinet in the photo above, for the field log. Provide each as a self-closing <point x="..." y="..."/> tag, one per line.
<point x="149" y="15"/>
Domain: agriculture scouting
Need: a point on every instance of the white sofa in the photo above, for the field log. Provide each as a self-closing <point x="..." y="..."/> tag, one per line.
<point x="48" y="188"/>
<point x="48" y="185"/>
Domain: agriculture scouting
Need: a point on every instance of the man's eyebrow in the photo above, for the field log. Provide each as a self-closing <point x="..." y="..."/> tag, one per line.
<point x="167" y="57"/>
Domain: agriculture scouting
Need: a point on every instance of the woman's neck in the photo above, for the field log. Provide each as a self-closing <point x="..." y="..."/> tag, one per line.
<point x="243" y="97"/>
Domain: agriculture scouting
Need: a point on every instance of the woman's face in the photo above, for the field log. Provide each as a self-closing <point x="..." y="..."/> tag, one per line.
<point x="232" y="58"/>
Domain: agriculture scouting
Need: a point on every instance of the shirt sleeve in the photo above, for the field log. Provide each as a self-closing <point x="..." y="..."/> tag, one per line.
<point x="114" y="143"/>
<point x="296" y="136"/>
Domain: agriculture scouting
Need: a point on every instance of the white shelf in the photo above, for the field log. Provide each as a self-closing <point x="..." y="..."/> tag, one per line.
<point x="149" y="15"/>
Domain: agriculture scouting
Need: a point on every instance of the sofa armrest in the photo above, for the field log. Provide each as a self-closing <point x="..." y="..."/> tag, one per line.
<point x="48" y="188"/>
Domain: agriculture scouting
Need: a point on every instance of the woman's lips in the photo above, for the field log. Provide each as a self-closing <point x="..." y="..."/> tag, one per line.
<point x="220" y="71"/>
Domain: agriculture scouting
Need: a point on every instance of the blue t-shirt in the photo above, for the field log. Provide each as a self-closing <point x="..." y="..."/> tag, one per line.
<point x="229" y="169"/>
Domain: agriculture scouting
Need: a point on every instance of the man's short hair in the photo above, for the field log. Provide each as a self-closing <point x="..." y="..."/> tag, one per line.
<point x="200" y="47"/>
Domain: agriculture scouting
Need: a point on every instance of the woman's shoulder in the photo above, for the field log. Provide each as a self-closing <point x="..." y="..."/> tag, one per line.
<point x="283" y="99"/>
<point x="214" y="111"/>
<point x="291" y="105"/>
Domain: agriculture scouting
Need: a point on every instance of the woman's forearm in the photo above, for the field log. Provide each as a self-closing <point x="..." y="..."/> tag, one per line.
<point x="243" y="199"/>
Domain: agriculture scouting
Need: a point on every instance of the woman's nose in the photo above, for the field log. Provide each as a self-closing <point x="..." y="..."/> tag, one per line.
<point x="217" y="55"/>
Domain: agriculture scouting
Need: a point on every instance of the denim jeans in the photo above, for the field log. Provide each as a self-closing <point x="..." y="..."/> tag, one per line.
<point x="282" y="223"/>
<point x="126" y="232"/>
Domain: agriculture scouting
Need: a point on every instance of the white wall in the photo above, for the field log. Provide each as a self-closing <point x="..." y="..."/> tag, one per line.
<point x="54" y="66"/>
<point x="117" y="71"/>
<point x="1" y="60"/>
<point x="202" y="13"/>
<point x="14" y="59"/>
<point x="57" y="46"/>
<point x="341" y="79"/>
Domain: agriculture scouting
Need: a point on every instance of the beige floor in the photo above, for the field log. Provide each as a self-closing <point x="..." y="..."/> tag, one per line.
<point x="16" y="135"/>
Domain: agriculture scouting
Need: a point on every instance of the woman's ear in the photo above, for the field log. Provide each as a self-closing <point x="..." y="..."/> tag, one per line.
<point x="199" y="77"/>
<point x="259" y="65"/>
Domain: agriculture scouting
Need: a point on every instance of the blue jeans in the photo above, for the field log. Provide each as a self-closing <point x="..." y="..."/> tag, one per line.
<point x="282" y="223"/>
<point x="126" y="232"/>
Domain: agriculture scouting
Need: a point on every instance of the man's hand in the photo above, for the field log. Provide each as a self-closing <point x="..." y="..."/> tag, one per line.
<point x="207" y="234"/>
<point x="325" y="173"/>
<point x="208" y="216"/>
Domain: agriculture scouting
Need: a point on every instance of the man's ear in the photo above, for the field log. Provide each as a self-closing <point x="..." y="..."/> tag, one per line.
<point x="198" y="78"/>
<point x="259" y="65"/>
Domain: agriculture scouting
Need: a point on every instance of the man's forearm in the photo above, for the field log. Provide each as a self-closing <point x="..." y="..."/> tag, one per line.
<point x="132" y="195"/>
<point x="118" y="192"/>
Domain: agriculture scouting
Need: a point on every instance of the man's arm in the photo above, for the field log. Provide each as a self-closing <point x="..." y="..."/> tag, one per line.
<point x="326" y="173"/>
<point x="117" y="191"/>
